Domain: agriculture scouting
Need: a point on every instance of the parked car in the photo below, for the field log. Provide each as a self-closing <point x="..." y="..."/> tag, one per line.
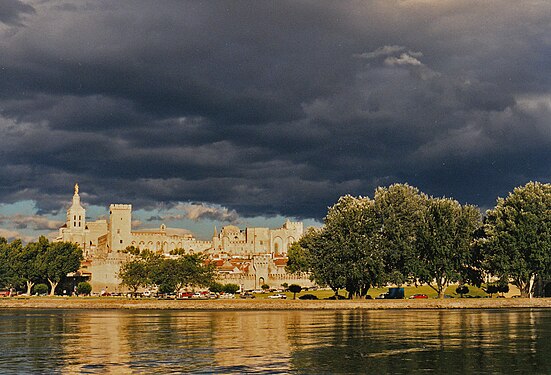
<point x="246" y="295"/>
<point x="278" y="296"/>
<point x="419" y="296"/>
<point x="308" y="296"/>
<point x="186" y="295"/>
<point x="382" y="296"/>
<point x="4" y="293"/>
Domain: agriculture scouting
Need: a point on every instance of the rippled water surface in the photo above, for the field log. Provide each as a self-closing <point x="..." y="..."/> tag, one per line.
<point x="299" y="342"/>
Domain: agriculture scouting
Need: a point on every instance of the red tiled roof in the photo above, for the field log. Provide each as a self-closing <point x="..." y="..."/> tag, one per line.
<point x="280" y="262"/>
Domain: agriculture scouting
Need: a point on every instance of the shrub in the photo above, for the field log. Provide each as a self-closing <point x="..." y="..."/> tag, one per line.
<point x="462" y="289"/>
<point x="40" y="289"/>
<point x="503" y="288"/>
<point x="492" y="289"/>
<point x="84" y="288"/>
<point x="265" y="287"/>
<point x="216" y="287"/>
<point x="230" y="288"/>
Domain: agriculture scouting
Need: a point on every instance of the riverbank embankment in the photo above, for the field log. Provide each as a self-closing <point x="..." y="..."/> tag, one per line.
<point x="266" y="304"/>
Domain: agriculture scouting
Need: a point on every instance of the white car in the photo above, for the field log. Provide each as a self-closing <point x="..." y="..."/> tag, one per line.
<point x="278" y="296"/>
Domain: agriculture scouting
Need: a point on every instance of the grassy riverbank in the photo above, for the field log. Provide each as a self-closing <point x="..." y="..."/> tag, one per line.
<point x="266" y="304"/>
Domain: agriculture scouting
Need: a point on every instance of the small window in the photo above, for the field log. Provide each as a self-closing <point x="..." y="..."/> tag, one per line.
<point x="74" y="217"/>
<point x="121" y="241"/>
<point x="79" y="223"/>
<point x="79" y="217"/>
<point x="74" y="223"/>
<point x="118" y="231"/>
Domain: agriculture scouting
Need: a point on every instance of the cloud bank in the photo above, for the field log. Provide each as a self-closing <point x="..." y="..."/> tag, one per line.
<point x="263" y="109"/>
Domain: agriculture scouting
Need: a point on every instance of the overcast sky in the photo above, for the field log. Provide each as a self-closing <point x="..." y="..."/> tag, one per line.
<point x="209" y="112"/>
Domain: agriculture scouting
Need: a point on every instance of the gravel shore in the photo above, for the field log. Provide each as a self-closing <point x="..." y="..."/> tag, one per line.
<point x="265" y="304"/>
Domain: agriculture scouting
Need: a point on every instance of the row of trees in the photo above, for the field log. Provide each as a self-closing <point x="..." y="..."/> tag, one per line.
<point x="152" y="270"/>
<point x="37" y="262"/>
<point x="404" y="236"/>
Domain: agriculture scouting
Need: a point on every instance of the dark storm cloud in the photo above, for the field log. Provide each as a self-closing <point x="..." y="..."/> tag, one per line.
<point x="271" y="108"/>
<point x="11" y="11"/>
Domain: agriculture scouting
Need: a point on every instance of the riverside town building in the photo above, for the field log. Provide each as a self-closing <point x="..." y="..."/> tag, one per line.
<point x="249" y="258"/>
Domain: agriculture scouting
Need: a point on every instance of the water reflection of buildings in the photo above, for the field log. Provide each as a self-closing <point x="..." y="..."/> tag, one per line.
<point x="101" y="343"/>
<point x="259" y="337"/>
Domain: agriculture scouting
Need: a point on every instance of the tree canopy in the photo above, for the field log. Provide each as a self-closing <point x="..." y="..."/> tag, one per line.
<point x="168" y="274"/>
<point x="58" y="260"/>
<point x="516" y="243"/>
<point x="37" y="262"/>
<point x="444" y="243"/>
<point x="401" y="236"/>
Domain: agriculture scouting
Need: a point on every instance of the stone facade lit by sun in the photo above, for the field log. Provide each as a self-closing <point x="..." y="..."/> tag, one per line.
<point x="249" y="257"/>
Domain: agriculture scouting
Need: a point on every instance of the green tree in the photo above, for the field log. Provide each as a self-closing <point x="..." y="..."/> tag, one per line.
<point x="165" y="273"/>
<point x="7" y="275"/>
<point x="265" y="287"/>
<point x="134" y="274"/>
<point x="344" y="253"/>
<point x="516" y="244"/>
<point x="351" y="233"/>
<point x="444" y="244"/>
<point x="400" y="210"/>
<point x="230" y="288"/>
<point x="193" y="270"/>
<point x="502" y="288"/>
<point x="168" y="274"/>
<point x="294" y="288"/>
<point x="40" y="289"/>
<point x="298" y="259"/>
<point x="26" y="262"/>
<point x="216" y="287"/>
<point x="321" y="263"/>
<point x="84" y="288"/>
<point x="59" y="259"/>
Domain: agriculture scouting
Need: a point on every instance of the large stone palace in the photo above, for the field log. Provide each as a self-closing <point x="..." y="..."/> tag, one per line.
<point x="250" y="257"/>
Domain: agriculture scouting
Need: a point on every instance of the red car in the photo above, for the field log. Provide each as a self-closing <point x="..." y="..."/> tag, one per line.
<point x="419" y="296"/>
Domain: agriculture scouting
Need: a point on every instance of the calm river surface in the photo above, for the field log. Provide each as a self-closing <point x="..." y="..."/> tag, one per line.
<point x="298" y="342"/>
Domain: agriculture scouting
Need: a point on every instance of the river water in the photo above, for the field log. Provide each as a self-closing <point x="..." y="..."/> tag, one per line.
<point x="297" y="342"/>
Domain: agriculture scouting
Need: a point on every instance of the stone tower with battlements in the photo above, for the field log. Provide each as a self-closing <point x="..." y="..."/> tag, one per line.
<point x="120" y="226"/>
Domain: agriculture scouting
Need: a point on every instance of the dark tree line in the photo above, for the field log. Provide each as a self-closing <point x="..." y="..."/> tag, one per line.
<point x="37" y="262"/>
<point x="404" y="236"/>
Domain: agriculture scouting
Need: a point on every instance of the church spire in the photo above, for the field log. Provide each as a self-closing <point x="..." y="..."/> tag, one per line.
<point x="215" y="234"/>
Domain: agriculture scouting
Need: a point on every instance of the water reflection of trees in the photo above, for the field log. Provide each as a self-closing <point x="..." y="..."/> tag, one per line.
<point x="459" y="341"/>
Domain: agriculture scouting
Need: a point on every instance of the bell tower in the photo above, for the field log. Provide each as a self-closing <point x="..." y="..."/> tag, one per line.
<point x="76" y="213"/>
